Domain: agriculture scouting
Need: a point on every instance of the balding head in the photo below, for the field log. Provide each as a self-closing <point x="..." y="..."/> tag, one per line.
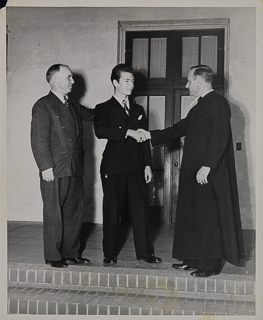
<point x="59" y="77"/>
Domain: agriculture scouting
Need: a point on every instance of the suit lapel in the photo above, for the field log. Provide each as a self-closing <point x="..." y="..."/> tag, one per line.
<point x="118" y="110"/>
<point x="62" y="111"/>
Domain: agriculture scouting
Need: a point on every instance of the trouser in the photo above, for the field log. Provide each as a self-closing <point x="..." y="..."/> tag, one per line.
<point x="62" y="217"/>
<point x="119" y="188"/>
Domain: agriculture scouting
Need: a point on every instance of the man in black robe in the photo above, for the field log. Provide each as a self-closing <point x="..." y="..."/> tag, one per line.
<point x="208" y="224"/>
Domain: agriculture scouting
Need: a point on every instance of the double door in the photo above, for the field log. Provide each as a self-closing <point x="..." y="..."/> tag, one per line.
<point x="161" y="61"/>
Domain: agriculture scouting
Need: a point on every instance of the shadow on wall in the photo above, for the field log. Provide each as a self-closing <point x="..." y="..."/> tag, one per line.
<point x="78" y="92"/>
<point x="239" y="123"/>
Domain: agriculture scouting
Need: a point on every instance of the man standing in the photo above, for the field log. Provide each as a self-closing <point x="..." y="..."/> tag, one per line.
<point x="208" y="225"/>
<point x="125" y="167"/>
<point x="56" y="140"/>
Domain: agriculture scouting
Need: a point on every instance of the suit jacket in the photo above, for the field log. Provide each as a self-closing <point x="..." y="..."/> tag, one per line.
<point x="121" y="155"/>
<point x="56" y="135"/>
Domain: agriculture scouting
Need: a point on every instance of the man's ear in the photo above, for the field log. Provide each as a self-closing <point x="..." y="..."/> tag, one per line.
<point x="115" y="83"/>
<point x="199" y="81"/>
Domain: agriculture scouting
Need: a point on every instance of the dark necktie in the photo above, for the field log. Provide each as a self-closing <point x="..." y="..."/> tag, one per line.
<point x="67" y="105"/>
<point x="125" y="107"/>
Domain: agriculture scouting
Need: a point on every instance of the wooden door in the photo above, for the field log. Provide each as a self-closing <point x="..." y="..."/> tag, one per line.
<point x="161" y="61"/>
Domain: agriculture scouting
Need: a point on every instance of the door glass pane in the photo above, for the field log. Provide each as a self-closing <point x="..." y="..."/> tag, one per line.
<point x="142" y="101"/>
<point x="187" y="102"/>
<point x="158" y="58"/>
<point x="140" y="51"/>
<point x="190" y="52"/>
<point x="209" y="51"/>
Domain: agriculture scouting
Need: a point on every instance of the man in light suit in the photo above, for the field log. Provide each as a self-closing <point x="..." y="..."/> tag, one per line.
<point x="208" y="224"/>
<point x="56" y="141"/>
<point x="125" y="167"/>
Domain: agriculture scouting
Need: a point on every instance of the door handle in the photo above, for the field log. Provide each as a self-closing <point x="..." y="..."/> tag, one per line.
<point x="176" y="164"/>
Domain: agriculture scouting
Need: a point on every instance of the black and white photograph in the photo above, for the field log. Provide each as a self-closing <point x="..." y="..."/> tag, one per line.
<point x="131" y="159"/>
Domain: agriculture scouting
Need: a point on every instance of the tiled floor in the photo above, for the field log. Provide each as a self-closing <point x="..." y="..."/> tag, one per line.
<point x="129" y="288"/>
<point x="25" y="245"/>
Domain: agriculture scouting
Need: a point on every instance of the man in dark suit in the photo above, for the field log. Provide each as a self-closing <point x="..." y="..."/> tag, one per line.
<point x="125" y="167"/>
<point x="56" y="140"/>
<point x="208" y="224"/>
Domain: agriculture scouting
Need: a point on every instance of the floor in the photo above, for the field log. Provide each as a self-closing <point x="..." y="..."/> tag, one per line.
<point x="25" y="245"/>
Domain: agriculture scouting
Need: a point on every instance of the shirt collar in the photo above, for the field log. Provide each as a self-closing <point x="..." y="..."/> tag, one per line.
<point x="59" y="95"/>
<point x="120" y="101"/>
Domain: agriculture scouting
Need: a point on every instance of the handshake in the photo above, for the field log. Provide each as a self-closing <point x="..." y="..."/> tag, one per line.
<point x="140" y="135"/>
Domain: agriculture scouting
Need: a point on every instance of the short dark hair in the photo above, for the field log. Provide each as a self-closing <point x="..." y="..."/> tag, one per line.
<point x="54" y="69"/>
<point x="116" y="71"/>
<point x="204" y="71"/>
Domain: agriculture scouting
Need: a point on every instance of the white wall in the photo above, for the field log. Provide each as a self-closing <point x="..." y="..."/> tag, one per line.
<point x="86" y="40"/>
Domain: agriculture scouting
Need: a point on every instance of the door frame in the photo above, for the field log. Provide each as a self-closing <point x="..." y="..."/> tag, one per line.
<point x="190" y="24"/>
<point x="193" y="24"/>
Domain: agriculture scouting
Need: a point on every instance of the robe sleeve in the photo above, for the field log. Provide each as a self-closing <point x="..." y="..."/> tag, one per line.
<point x="178" y="130"/>
<point x="220" y="133"/>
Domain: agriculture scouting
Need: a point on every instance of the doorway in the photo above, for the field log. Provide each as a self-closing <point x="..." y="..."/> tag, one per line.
<point x="161" y="60"/>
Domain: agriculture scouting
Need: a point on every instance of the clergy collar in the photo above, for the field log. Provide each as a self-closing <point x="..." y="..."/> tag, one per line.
<point x="206" y="93"/>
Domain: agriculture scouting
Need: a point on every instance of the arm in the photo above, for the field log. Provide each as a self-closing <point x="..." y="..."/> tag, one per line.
<point x="219" y="139"/>
<point x="178" y="130"/>
<point x="40" y="137"/>
<point x="87" y="114"/>
<point x="220" y="133"/>
<point x="103" y="129"/>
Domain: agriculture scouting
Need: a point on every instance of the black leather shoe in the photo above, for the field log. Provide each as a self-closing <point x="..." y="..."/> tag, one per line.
<point x="76" y="261"/>
<point x="204" y="273"/>
<point x="151" y="259"/>
<point x="107" y="260"/>
<point x="182" y="267"/>
<point x="57" y="264"/>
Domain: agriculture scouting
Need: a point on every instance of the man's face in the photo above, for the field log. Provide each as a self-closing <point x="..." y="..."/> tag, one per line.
<point x="125" y="84"/>
<point x="63" y="80"/>
<point x="193" y="84"/>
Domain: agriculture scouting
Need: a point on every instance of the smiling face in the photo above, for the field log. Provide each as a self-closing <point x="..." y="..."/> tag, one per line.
<point x="125" y="85"/>
<point x="62" y="81"/>
<point x="193" y="84"/>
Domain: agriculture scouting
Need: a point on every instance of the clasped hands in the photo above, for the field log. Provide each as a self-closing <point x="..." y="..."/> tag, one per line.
<point x="139" y="135"/>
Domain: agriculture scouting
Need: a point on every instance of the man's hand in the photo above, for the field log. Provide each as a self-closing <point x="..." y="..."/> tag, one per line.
<point x="202" y="175"/>
<point x="48" y="175"/>
<point x="145" y="134"/>
<point x="148" y="174"/>
<point x="139" y="137"/>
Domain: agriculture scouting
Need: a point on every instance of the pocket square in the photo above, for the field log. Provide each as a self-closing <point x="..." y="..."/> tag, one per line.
<point x="140" y="117"/>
